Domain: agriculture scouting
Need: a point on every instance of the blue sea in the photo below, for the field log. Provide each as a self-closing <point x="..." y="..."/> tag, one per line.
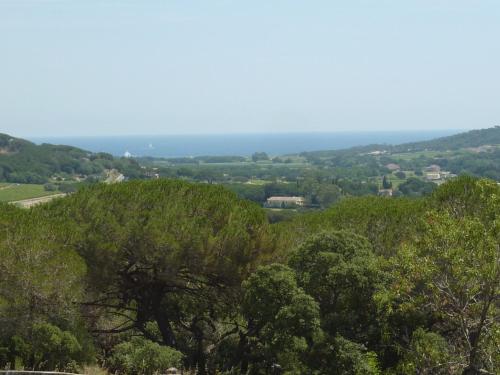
<point x="238" y="144"/>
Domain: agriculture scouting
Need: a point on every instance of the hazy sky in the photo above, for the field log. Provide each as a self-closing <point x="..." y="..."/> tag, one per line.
<point x="83" y="67"/>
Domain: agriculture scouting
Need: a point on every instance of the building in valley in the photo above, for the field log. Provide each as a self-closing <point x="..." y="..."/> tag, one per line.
<point x="285" y="202"/>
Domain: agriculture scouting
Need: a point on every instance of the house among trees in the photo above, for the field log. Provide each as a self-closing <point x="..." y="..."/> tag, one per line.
<point x="285" y="202"/>
<point x="433" y="168"/>
<point x="439" y="177"/>
<point x="393" y="167"/>
<point x="385" y="192"/>
<point x="433" y="176"/>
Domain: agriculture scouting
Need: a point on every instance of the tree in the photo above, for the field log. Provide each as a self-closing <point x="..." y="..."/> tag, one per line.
<point x="467" y="196"/>
<point x="259" y="156"/>
<point x="414" y="187"/>
<point x="281" y="319"/>
<point x="401" y="175"/>
<point x="428" y="354"/>
<point x="165" y="251"/>
<point x="452" y="274"/>
<point x="339" y="356"/>
<point x="40" y="281"/>
<point x="327" y="194"/>
<point x="53" y="348"/>
<point x="386" y="223"/>
<point x="386" y="184"/>
<point x="340" y="271"/>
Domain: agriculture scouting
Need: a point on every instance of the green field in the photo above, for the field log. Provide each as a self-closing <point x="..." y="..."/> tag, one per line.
<point x="10" y="192"/>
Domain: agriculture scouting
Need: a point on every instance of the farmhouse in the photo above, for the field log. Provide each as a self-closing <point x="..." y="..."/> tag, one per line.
<point x="385" y="192"/>
<point x="433" y="168"/>
<point x="439" y="176"/>
<point x="393" y="167"/>
<point x="431" y="176"/>
<point x="285" y="202"/>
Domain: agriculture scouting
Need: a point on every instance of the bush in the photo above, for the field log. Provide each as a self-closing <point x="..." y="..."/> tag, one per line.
<point x="141" y="356"/>
<point x="258" y="156"/>
<point x="339" y="356"/>
<point x="428" y="353"/>
<point x="50" y="187"/>
<point x="26" y="178"/>
<point x="414" y="187"/>
<point x="400" y="175"/>
<point x="68" y="188"/>
<point x="54" y="349"/>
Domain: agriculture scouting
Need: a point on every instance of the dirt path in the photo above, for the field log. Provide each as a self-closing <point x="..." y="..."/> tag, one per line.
<point x="26" y="203"/>
<point x="7" y="187"/>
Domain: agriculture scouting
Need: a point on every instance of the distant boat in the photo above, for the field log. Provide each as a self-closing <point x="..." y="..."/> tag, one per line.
<point x="150" y="146"/>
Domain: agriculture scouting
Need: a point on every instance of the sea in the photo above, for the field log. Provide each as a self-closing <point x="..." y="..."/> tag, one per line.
<point x="167" y="146"/>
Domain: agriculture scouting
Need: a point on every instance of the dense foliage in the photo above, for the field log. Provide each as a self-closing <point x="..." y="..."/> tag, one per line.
<point x="145" y="275"/>
<point x="25" y="162"/>
<point x="324" y="177"/>
<point x="473" y="138"/>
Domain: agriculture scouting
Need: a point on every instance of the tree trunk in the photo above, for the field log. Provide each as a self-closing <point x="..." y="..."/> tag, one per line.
<point x="165" y="328"/>
<point x="201" y="360"/>
<point x="242" y="353"/>
<point x="472" y="367"/>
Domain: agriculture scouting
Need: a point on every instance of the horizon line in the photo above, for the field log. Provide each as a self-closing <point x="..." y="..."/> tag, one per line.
<point x="250" y="133"/>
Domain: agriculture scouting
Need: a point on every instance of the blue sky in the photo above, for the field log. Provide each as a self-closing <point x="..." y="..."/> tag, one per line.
<point x="221" y="66"/>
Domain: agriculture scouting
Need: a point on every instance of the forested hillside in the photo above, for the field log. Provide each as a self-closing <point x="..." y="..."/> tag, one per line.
<point x="476" y="152"/>
<point x="473" y="138"/>
<point x="141" y="276"/>
<point x="322" y="178"/>
<point x="24" y="162"/>
<point x="326" y="177"/>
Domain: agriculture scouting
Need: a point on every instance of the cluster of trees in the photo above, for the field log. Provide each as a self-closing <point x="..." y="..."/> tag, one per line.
<point x="453" y="153"/>
<point x="353" y="173"/>
<point x="322" y="177"/>
<point x="320" y="188"/>
<point x="146" y="275"/>
<point x="415" y="187"/>
<point x="259" y="156"/>
<point x="483" y="164"/>
<point x="317" y="192"/>
<point x="236" y="172"/>
<point x="25" y="162"/>
<point x="194" y="160"/>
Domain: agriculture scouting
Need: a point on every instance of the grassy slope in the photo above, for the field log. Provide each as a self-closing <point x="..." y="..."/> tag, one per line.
<point x="16" y="192"/>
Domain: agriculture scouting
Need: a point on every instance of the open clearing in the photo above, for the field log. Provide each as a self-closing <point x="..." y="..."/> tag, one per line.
<point x="27" y="203"/>
<point x="10" y="192"/>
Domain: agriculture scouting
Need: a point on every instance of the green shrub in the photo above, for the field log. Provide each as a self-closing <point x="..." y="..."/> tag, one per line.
<point x="50" y="187"/>
<point x="428" y="354"/>
<point x="141" y="356"/>
<point x="54" y="349"/>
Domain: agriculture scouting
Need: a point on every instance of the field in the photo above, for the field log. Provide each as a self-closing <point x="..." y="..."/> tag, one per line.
<point x="10" y="192"/>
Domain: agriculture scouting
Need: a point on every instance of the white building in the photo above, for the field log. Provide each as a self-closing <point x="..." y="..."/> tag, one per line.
<point x="285" y="202"/>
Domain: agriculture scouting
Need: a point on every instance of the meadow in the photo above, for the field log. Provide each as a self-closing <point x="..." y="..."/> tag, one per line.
<point x="11" y="192"/>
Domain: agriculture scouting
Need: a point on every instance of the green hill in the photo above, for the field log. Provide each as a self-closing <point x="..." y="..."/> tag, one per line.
<point x="473" y="138"/>
<point x="22" y="161"/>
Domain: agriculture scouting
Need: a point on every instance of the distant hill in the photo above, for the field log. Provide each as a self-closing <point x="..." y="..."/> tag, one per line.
<point x="22" y="161"/>
<point x="11" y="145"/>
<point x="473" y="138"/>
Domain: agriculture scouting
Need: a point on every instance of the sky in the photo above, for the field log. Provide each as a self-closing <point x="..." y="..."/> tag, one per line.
<point x="97" y="67"/>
